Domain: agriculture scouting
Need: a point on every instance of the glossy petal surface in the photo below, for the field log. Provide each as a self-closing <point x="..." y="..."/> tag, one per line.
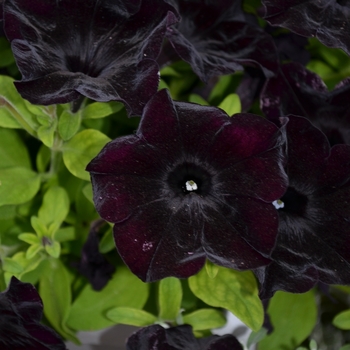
<point x="103" y="50"/>
<point x="298" y="91"/>
<point x="178" y="338"/>
<point x="163" y="225"/>
<point x="327" y="20"/>
<point x="313" y="243"/>
<point x="216" y="41"/>
<point x="21" y="311"/>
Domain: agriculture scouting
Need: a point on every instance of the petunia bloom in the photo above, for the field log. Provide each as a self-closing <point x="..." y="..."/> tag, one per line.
<point x="295" y="90"/>
<point x="21" y="311"/>
<point x="215" y="38"/>
<point x="191" y="184"/>
<point x="103" y="50"/>
<point x="178" y="338"/>
<point x="313" y="243"/>
<point x="327" y="20"/>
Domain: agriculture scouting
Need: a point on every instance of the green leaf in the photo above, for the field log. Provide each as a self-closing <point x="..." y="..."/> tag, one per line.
<point x="39" y="226"/>
<point x="46" y="133"/>
<point x="107" y="242"/>
<point x="212" y="269"/>
<point x="7" y="120"/>
<point x="81" y="149"/>
<point x="13" y="152"/>
<point x="29" y="238"/>
<point x="68" y="124"/>
<point x="12" y="266"/>
<point x="345" y="347"/>
<point x="233" y="290"/>
<point x="204" y="319"/>
<point x="170" y="296"/>
<point x="33" y="250"/>
<point x="194" y="98"/>
<point x="43" y="158"/>
<point x="131" y="316"/>
<point x="6" y="53"/>
<point x="53" y="249"/>
<point x="231" y="104"/>
<point x="7" y="212"/>
<point x="65" y="234"/>
<point x="342" y="320"/>
<point x="293" y="317"/>
<point x="123" y="290"/>
<point x="101" y="109"/>
<point x="18" y="185"/>
<point x="255" y="337"/>
<point x="54" y="289"/>
<point x="87" y="190"/>
<point x="54" y="209"/>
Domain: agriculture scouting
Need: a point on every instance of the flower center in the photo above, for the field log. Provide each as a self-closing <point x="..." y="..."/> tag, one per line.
<point x="191" y="186"/>
<point x="292" y="202"/>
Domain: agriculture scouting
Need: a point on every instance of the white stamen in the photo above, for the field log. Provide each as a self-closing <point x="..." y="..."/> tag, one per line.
<point x="191" y="185"/>
<point x="278" y="204"/>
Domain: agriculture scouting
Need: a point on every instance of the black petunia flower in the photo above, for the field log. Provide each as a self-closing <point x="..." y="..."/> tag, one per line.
<point x="295" y="90"/>
<point x="103" y="50"/>
<point x="313" y="243"/>
<point x="21" y="311"/>
<point x="215" y="38"/>
<point x="327" y="20"/>
<point x="156" y="337"/>
<point x="191" y="184"/>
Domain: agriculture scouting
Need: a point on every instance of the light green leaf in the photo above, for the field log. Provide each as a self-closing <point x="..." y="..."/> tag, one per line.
<point x="12" y="266"/>
<point x="293" y="317"/>
<point x="53" y="249"/>
<point x="54" y="289"/>
<point x="7" y="120"/>
<point x="87" y="190"/>
<point x="81" y="149"/>
<point x="7" y="212"/>
<point x="46" y="133"/>
<point x="212" y="269"/>
<point x="204" y="319"/>
<point x="54" y="209"/>
<point x="123" y="290"/>
<point x="13" y="152"/>
<point x="232" y="290"/>
<point x="170" y="296"/>
<point x="65" y="234"/>
<point x="68" y="124"/>
<point x="39" y="226"/>
<point x="131" y="316"/>
<point x="107" y="242"/>
<point x="342" y="320"/>
<point x="101" y="109"/>
<point x="29" y="238"/>
<point x="255" y="337"/>
<point x="194" y="98"/>
<point x="18" y="185"/>
<point x="231" y="104"/>
<point x="33" y="250"/>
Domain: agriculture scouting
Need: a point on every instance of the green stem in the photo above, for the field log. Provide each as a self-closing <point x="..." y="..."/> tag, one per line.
<point x="56" y="155"/>
<point x="18" y="117"/>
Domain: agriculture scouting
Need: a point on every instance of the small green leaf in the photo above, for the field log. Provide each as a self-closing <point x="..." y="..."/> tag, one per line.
<point x="53" y="249"/>
<point x="81" y="149"/>
<point x="65" y="234"/>
<point x="46" y="133"/>
<point x="170" y="296"/>
<point x="293" y="317"/>
<point x="233" y="290"/>
<point x="131" y="316"/>
<point x="107" y="242"/>
<point x="342" y="320"/>
<point x="18" y="185"/>
<point x="7" y="120"/>
<point x="204" y="319"/>
<point x="231" y="104"/>
<point x="211" y="268"/>
<point x="43" y="158"/>
<point x="33" y="250"/>
<point x="68" y="124"/>
<point x="29" y="238"/>
<point x="39" y="226"/>
<point x="123" y="290"/>
<point x="13" y="152"/>
<point x="10" y="265"/>
<point x="87" y="190"/>
<point x="255" y="337"/>
<point x="194" y="98"/>
<point x="101" y="109"/>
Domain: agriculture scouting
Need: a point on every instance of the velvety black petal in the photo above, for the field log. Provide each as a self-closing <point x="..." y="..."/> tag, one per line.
<point x="216" y="39"/>
<point x="93" y="265"/>
<point x="327" y="20"/>
<point x="298" y="91"/>
<point x="313" y="241"/>
<point x="99" y="49"/>
<point x="189" y="174"/>
<point x="178" y="338"/>
<point x="21" y="310"/>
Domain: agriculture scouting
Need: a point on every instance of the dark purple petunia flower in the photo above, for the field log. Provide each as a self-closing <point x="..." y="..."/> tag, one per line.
<point x="93" y="265"/>
<point x="191" y="184"/>
<point x="104" y="50"/>
<point x="156" y="337"/>
<point x="298" y="91"/>
<point x="313" y="243"/>
<point x="215" y="38"/>
<point x="21" y="311"/>
<point x="327" y="20"/>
